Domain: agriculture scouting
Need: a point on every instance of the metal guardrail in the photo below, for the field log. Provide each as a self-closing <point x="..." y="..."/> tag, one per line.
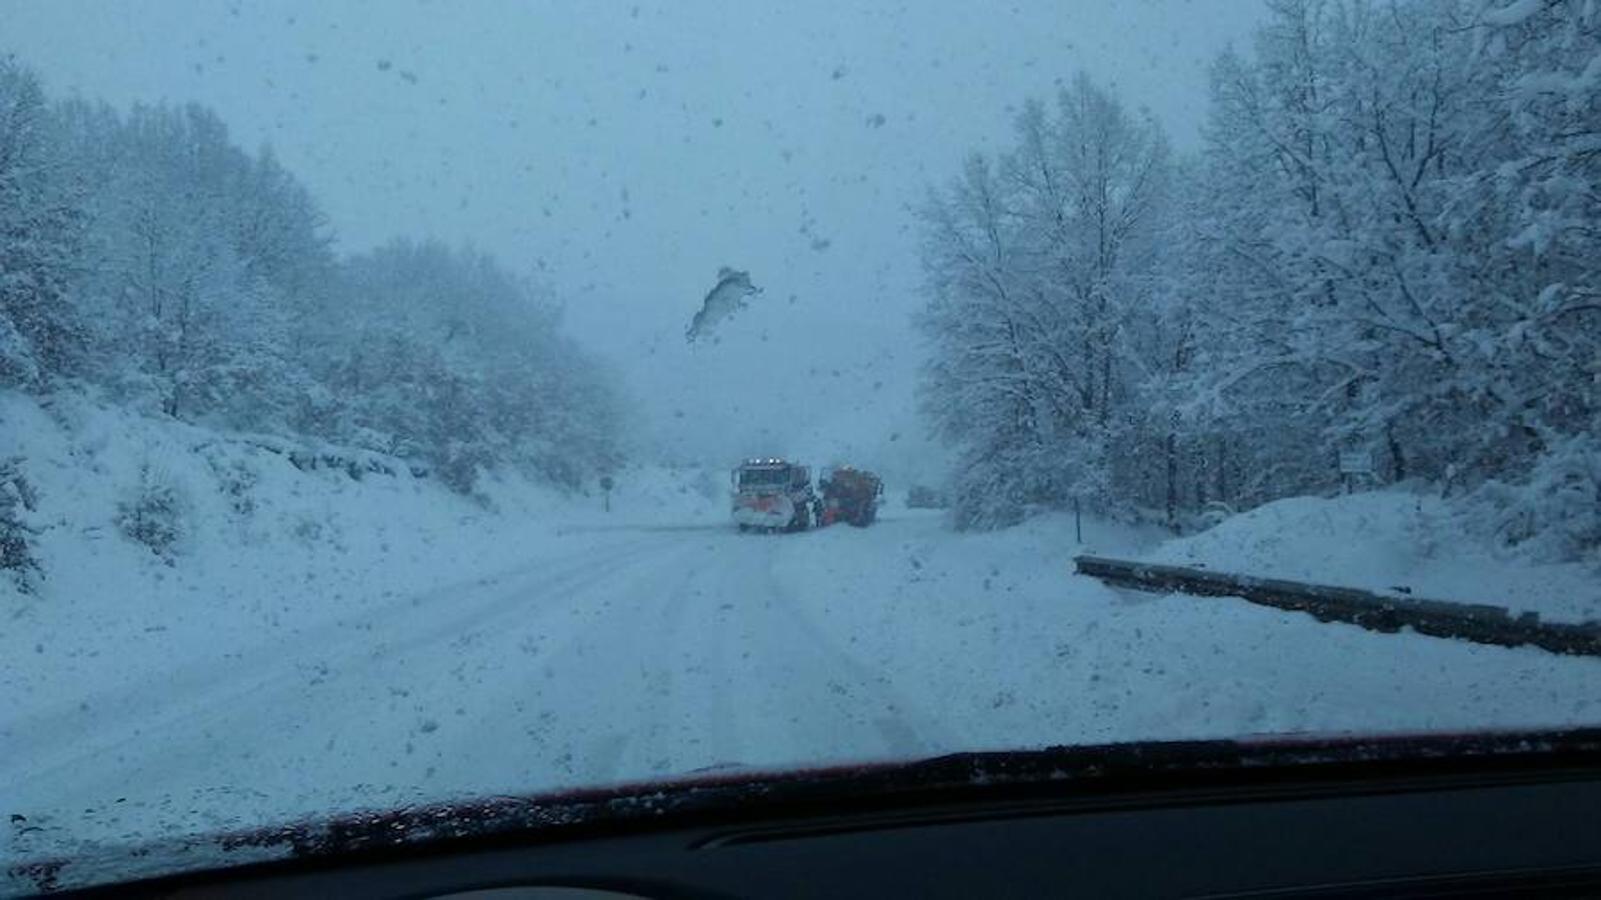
<point x="1480" y="623"/>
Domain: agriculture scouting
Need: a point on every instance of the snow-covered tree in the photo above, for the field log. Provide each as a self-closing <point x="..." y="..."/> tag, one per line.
<point x="1038" y="263"/>
<point x="1413" y="263"/>
<point x="1388" y="243"/>
<point x="192" y="271"/>
<point x="146" y="252"/>
<point x="41" y="334"/>
<point x="17" y="499"/>
<point x="443" y="356"/>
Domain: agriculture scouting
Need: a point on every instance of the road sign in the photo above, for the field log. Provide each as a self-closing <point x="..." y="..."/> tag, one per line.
<point x="1356" y="462"/>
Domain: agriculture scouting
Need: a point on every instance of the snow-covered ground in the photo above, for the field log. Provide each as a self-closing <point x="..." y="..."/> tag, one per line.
<point x="358" y="643"/>
<point x="1385" y="540"/>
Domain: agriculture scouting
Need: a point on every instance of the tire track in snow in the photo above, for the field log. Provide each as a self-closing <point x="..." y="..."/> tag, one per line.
<point x="211" y="695"/>
<point x="719" y="665"/>
<point x="589" y="693"/>
<point x="185" y="679"/>
<point x="657" y="655"/>
<point x="905" y="729"/>
<point x="636" y="721"/>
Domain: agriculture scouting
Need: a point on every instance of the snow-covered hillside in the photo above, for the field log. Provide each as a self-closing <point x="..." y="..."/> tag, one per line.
<point x="1385" y="541"/>
<point x="253" y="547"/>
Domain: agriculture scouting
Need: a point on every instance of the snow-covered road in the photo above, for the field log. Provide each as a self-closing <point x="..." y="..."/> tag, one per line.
<point x="621" y="653"/>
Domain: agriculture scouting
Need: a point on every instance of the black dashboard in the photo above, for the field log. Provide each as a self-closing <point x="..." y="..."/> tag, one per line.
<point x="1384" y="819"/>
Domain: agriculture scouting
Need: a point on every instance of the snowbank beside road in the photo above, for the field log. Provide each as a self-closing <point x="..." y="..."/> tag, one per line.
<point x="255" y="549"/>
<point x="993" y="639"/>
<point x="251" y="546"/>
<point x="1387" y="541"/>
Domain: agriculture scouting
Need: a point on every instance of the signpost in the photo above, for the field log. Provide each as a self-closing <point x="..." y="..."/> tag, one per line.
<point x="1355" y="464"/>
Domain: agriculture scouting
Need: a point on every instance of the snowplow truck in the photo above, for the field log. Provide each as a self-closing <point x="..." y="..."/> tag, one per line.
<point x="849" y="495"/>
<point x="773" y="495"/>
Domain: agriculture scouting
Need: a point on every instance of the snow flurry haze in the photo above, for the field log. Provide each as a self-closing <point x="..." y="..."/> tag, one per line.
<point x="372" y="373"/>
<point x="788" y="140"/>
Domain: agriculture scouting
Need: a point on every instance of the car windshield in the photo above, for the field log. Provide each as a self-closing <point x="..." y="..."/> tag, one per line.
<point x="372" y="375"/>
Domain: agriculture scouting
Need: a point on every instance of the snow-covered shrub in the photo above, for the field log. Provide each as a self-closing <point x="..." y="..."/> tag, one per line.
<point x="153" y="515"/>
<point x="1555" y="514"/>
<point x="17" y="365"/>
<point x="1211" y="515"/>
<point x="457" y="468"/>
<point x="989" y="498"/>
<point x="307" y="529"/>
<point x="17" y="497"/>
<point x="237" y="481"/>
<point x="318" y="530"/>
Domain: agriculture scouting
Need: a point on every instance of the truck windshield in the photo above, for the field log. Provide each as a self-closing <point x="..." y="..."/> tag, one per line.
<point x="759" y="478"/>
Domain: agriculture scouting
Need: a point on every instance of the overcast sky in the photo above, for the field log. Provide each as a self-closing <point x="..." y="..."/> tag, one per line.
<point x="621" y="152"/>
